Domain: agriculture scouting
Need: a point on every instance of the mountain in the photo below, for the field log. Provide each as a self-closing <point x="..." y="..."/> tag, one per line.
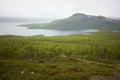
<point x="80" y="21"/>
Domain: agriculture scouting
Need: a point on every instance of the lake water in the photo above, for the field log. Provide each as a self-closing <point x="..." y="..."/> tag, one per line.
<point x="13" y="28"/>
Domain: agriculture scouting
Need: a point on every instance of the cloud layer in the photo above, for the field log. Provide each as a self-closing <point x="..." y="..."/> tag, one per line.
<point x="58" y="8"/>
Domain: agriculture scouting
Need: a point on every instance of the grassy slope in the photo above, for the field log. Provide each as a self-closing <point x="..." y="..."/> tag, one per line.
<point x="71" y="23"/>
<point x="51" y="58"/>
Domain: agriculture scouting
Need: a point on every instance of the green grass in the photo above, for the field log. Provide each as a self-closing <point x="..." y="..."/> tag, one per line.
<point x="57" y="57"/>
<point x="62" y="69"/>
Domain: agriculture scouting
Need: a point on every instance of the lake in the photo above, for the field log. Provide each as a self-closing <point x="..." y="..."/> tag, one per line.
<point x="14" y="28"/>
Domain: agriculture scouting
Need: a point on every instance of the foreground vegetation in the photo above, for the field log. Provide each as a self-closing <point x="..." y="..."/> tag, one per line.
<point x="59" y="57"/>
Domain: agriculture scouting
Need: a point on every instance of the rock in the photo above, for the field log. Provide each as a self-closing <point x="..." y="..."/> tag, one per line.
<point x="22" y="72"/>
<point x="32" y="72"/>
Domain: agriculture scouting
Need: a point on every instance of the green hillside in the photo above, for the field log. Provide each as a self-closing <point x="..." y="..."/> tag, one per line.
<point x="80" y="21"/>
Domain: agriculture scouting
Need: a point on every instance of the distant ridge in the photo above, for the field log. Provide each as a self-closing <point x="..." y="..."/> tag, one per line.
<point x="81" y="21"/>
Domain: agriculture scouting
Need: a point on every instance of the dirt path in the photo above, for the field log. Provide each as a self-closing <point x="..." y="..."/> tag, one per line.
<point x="99" y="63"/>
<point x="113" y="76"/>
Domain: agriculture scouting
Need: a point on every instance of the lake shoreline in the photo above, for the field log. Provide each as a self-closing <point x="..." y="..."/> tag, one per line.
<point x="15" y="28"/>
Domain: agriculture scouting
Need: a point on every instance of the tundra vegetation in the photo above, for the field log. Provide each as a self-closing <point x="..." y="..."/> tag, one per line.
<point x="73" y="57"/>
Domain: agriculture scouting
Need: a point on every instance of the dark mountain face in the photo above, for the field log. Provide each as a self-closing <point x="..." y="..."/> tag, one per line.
<point x="83" y="21"/>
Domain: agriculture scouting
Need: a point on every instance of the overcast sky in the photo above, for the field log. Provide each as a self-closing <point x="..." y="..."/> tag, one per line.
<point x="58" y="8"/>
